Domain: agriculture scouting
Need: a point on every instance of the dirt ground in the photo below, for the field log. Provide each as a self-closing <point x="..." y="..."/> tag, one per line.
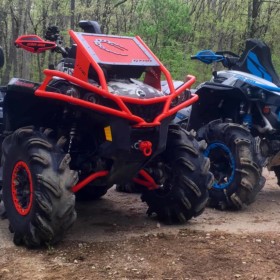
<point x="113" y="239"/>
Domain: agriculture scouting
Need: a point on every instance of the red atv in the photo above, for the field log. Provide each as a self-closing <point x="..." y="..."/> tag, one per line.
<point x="91" y="124"/>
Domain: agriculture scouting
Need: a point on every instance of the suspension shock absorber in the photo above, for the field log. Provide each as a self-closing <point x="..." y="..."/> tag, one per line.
<point x="247" y="116"/>
<point x="72" y="135"/>
<point x="73" y="117"/>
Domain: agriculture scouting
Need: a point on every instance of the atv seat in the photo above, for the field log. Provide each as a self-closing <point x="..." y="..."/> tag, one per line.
<point x="256" y="60"/>
<point x="90" y="26"/>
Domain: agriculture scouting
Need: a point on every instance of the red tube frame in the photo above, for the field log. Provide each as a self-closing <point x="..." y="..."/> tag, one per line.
<point x="123" y="111"/>
<point x="147" y="182"/>
<point x="90" y="178"/>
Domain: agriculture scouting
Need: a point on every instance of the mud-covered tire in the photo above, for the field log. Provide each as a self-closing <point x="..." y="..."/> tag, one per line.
<point x="276" y="170"/>
<point x="184" y="193"/>
<point x="37" y="185"/>
<point x="234" y="157"/>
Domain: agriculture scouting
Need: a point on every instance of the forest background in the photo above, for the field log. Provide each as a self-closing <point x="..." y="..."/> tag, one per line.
<point x="173" y="29"/>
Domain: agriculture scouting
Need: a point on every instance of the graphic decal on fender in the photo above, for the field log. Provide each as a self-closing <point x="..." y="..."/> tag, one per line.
<point x="256" y="83"/>
<point x="102" y="42"/>
<point x="117" y="50"/>
<point x="256" y="68"/>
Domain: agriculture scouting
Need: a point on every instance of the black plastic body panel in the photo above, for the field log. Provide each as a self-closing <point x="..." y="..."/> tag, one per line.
<point x="127" y="159"/>
<point x="215" y="101"/>
<point x="23" y="108"/>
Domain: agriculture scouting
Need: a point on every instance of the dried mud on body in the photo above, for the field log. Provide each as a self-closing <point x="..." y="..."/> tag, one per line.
<point x="113" y="239"/>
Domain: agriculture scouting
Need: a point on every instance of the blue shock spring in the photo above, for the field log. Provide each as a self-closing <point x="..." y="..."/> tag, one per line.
<point x="248" y="120"/>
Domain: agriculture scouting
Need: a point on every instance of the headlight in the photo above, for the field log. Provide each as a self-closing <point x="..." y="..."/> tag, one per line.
<point x="91" y="97"/>
<point x="181" y="98"/>
<point x="72" y="91"/>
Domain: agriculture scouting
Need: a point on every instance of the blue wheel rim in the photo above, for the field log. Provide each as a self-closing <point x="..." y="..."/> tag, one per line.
<point x="230" y="159"/>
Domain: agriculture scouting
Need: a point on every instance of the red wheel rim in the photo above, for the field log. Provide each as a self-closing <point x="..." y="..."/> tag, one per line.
<point x="22" y="188"/>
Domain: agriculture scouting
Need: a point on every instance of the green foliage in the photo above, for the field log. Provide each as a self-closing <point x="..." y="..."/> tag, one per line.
<point x="173" y="29"/>
<point x="164" y="26"/>
<point x="162" y="22"/>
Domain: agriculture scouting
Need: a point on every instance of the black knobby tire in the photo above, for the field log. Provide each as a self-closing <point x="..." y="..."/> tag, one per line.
<point x="184" y="193"/>
<point x="276" y="170"/>
<point x="234" y="157"/>
<point x="37" y="185"/>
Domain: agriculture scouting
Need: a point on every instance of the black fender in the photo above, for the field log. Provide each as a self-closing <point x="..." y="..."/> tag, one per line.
<point x="21" y="107"/>
<point x="216" y="101"/>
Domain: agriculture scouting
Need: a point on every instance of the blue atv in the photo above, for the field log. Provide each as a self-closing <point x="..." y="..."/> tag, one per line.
<point x="238" y="114"/>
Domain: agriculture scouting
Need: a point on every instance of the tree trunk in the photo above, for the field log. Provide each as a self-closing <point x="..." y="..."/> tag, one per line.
<point x="253" y="13"/>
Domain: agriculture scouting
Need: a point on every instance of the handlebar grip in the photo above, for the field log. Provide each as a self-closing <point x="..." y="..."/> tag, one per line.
<point x="193" y="57"/>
